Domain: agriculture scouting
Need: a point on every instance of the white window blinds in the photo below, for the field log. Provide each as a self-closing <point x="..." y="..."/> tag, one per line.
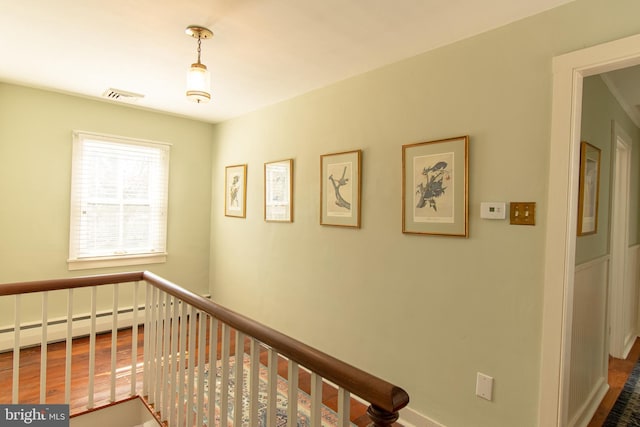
<point x="119" y="192"/>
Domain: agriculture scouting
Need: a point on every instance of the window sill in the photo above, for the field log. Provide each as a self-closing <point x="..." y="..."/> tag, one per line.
<point x="116" y="261"/>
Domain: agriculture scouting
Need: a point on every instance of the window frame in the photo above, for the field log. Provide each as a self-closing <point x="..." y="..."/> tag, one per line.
<point x="76" y="261"/>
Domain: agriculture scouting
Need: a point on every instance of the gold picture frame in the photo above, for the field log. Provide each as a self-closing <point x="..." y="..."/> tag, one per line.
<point x="340" y="186"/>
<point x="235" y="191"/>
<point x="278" y="191"/>
<point x="589" y="191"/>
<point x="435" y="187"/>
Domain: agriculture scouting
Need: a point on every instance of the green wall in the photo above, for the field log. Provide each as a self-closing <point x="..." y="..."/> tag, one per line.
<point x="35" y="180"/>
<point x="424" y="312"/>
<point x="599" y="108"/>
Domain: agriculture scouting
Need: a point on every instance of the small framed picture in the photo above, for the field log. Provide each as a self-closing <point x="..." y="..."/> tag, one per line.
<point x="235" y="190"/>
<point x="589" y="189"/>
<point x="340" y="183"/>
<point x="278" y="191"/>
<point x="435" y="187"/>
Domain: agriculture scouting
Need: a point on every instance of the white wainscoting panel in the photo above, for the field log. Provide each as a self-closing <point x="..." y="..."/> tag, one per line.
<point x="589" y="352"/>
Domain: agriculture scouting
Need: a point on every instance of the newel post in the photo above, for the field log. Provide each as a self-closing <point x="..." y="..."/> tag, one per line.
<point x="381" y="418"/>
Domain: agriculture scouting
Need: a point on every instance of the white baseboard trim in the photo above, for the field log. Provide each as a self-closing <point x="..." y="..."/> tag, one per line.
<point x="412" y="418"/>
<point x="628" y="345"/>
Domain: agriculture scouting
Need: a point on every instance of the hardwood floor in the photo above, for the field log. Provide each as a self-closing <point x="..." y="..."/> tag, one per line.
<point x="29" y="391"/>
<point x="55" y="378"/>
<point x="619" y="370"/>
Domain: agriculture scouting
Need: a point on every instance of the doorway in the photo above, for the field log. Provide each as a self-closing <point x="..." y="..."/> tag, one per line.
<point x="569" y="71"/>
<point x="623" y="293"/>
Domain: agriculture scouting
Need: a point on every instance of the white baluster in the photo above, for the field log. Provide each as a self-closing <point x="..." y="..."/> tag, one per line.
<point x="213" y="356"/>
<point x="202" y="347"/>
<point x="239" y="376"/>
<point x="166" y="357"/>
<point x="114" y="340"/>
<point x="344" y="407"/>
<point x="152" y="346"/>
<point x="16" y="349"/>
<point x="43" y="348"/>
<point x="182" y="363"/>
<point x="134" y="340"/>
<point x="316" y="399"/>
<point x="224" y="380"/>
<point x="92" y="345"/>
<point x="292" y="407"/>
<point x="158" y="354"/>
<point x="173" y="373"/>
<point x="68" y="347"/>
<point x="254" y="378"/>
<point x="192" y="363"/>
<point x="272" y="388"/>
<point x="146" y="352"/>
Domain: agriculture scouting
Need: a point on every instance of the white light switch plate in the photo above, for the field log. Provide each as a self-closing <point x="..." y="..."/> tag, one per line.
<point x="493" y="210"/>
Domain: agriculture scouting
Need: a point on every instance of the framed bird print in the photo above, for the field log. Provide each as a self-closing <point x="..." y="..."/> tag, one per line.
<point x="235" y="194"/>
<point x="589" y="189"/>
<point x="278" y="191"/>
<point x="435" y="187"/>
<point x="340" y="182"/>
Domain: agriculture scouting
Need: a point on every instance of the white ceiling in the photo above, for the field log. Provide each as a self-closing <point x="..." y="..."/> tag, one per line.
<point x="262" y="52"/>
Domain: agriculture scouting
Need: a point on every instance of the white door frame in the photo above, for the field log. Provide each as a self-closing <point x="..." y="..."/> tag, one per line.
<point x="568" y="72"/>
<point x="620" y="294"/>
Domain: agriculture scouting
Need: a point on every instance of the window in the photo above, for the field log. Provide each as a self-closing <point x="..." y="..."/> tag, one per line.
<point x="119" y="189"/>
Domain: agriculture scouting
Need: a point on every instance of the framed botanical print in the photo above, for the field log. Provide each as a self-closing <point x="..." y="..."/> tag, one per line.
<point x="278" y="191"/>
<point x="589" y="189"/>
<point x="340" y="184"/>
<point x="235" y="191"/>
<point x="435" y="183"/>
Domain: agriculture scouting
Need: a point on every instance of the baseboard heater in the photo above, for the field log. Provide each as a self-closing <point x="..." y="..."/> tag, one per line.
<point x="31" y="333"/>
<point x="63" y="321"/>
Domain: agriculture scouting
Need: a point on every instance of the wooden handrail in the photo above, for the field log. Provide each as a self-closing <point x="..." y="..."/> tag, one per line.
<point x="380" y="393"/>
<point x="70" y="283"/>
<point x="372" y="389"/>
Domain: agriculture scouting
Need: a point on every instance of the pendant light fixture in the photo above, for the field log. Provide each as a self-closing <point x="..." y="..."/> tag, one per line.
<point x="198" y="78"/>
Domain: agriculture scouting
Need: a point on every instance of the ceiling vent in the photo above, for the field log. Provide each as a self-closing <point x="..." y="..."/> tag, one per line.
<point x="121" y="95"/>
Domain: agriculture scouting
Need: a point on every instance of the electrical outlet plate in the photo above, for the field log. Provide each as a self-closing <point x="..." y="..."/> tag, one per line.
<point x="484" y="386"/>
